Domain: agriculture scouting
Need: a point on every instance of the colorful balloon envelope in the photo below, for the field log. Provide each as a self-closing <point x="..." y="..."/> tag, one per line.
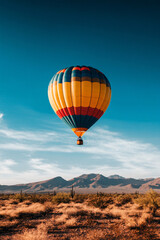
<point x="79" y="96"/>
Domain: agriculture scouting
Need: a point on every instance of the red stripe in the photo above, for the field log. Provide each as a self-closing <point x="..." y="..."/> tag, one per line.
<point x="63" y="70"/>
<point x="84" y="110"/>
<point x="100" y="114"/>
<point x="66" y="113"/>
<point x="59" y="114"/>
<point x="90" y="111"/>
<point x="71" y="111"/>
<point x="94" y="112"/>
<point x="77" y="110"/>
<point x="76" y="68"/>
<point x="81" y="69"/>
<point x="85" y="68"/>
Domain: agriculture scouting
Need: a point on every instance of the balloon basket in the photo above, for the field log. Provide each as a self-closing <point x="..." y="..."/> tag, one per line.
<point x="79" y="141"/>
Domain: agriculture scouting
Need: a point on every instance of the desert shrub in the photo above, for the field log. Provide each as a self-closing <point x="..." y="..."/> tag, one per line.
<point x="61" y="198"/>
<point x="41" y="198"/>
<point x="34" y="197"/>
<point x="123" y="199"/>
<point x="20" y="197"/>
<point x="4" y="196"/>
<point x="79" y="198"/>
<point x="100" y="201"/>
<point x="149" y="200"/>
<point x="46" y="198"/>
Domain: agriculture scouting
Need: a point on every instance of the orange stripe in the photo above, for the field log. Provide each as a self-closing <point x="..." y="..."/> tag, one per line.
<point x="79" y="131"/>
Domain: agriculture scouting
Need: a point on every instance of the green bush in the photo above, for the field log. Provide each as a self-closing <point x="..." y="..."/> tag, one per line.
<point x="18" y="196"/>
<point x="123" y="199"/>
<point x="79" y="198"/>
<point x="100" y="201"/>
<point x="151" y="200"/>
<point x="61" y="198"/>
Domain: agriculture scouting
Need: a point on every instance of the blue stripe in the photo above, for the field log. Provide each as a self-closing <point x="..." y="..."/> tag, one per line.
<point x="76" y="73"/>
<point x="86" y="73"/>
<point x="89" y="121"/>
<point x="67" y="75"/>
<point x="94" y="73"/>
<point x="60" y="77"/>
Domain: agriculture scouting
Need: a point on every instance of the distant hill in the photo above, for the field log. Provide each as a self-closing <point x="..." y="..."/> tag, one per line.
<point x="87" y="183"/>
<point x="154" y="184"/>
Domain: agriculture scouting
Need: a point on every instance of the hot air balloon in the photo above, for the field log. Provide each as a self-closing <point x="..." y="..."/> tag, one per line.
<point x="79" y="96"/>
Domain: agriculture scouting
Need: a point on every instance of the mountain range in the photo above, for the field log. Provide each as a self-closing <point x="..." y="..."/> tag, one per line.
<point x="87" y="183"/>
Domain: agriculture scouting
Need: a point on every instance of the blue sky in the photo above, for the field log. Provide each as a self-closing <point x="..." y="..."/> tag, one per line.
<point x="38" y="38"/>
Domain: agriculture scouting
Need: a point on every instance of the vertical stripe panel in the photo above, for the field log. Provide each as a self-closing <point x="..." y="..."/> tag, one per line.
<point x="86" y="95"/>
<point x="102" y="95"/>
<point x="53" y="99"/>
<point x="76" y="94"/>
<point x="66" y="82"/>
<point x="61" y="98"/>
<point x="50" y="89"/>
<point x="56" y="97"/>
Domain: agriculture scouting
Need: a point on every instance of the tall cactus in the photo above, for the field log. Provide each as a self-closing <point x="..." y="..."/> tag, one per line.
<point x="21" y="196"/>
<point x="72" y="192"/>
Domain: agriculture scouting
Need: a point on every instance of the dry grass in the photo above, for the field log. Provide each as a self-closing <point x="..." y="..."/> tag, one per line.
<point x="96" y="234"/>
<point x="22" y="209"/>
<point x="71" y="222"/>
<point x="138" y="222"/>
<point x="62" y="218"/>
<point x="101" y="216"/>
<point x="40" y="233"/>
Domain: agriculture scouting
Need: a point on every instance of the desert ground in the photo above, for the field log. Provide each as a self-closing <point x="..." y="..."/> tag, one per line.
<point x="79" y="216"/>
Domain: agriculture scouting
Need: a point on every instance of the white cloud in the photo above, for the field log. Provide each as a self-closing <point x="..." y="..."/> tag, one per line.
<point x="28" y="135"/>
<point x="1" y="115"/>
<point x="5" y="166"/>
<point x="110" y="151"/>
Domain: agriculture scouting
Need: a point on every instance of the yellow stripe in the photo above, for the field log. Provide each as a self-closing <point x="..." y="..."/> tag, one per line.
<point x="60" y="95"/>
<point x="95" y="94"/>
<point x="76" y="92"/>
<point x="86" y="93"/>
<point x="105" y="99"/>
<point x="102" y="95"/>
<point x="50" y="98"/>
<point x="105" y="106"/>
<point x="55" y="94"/>
<point x="67" y="93"/>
